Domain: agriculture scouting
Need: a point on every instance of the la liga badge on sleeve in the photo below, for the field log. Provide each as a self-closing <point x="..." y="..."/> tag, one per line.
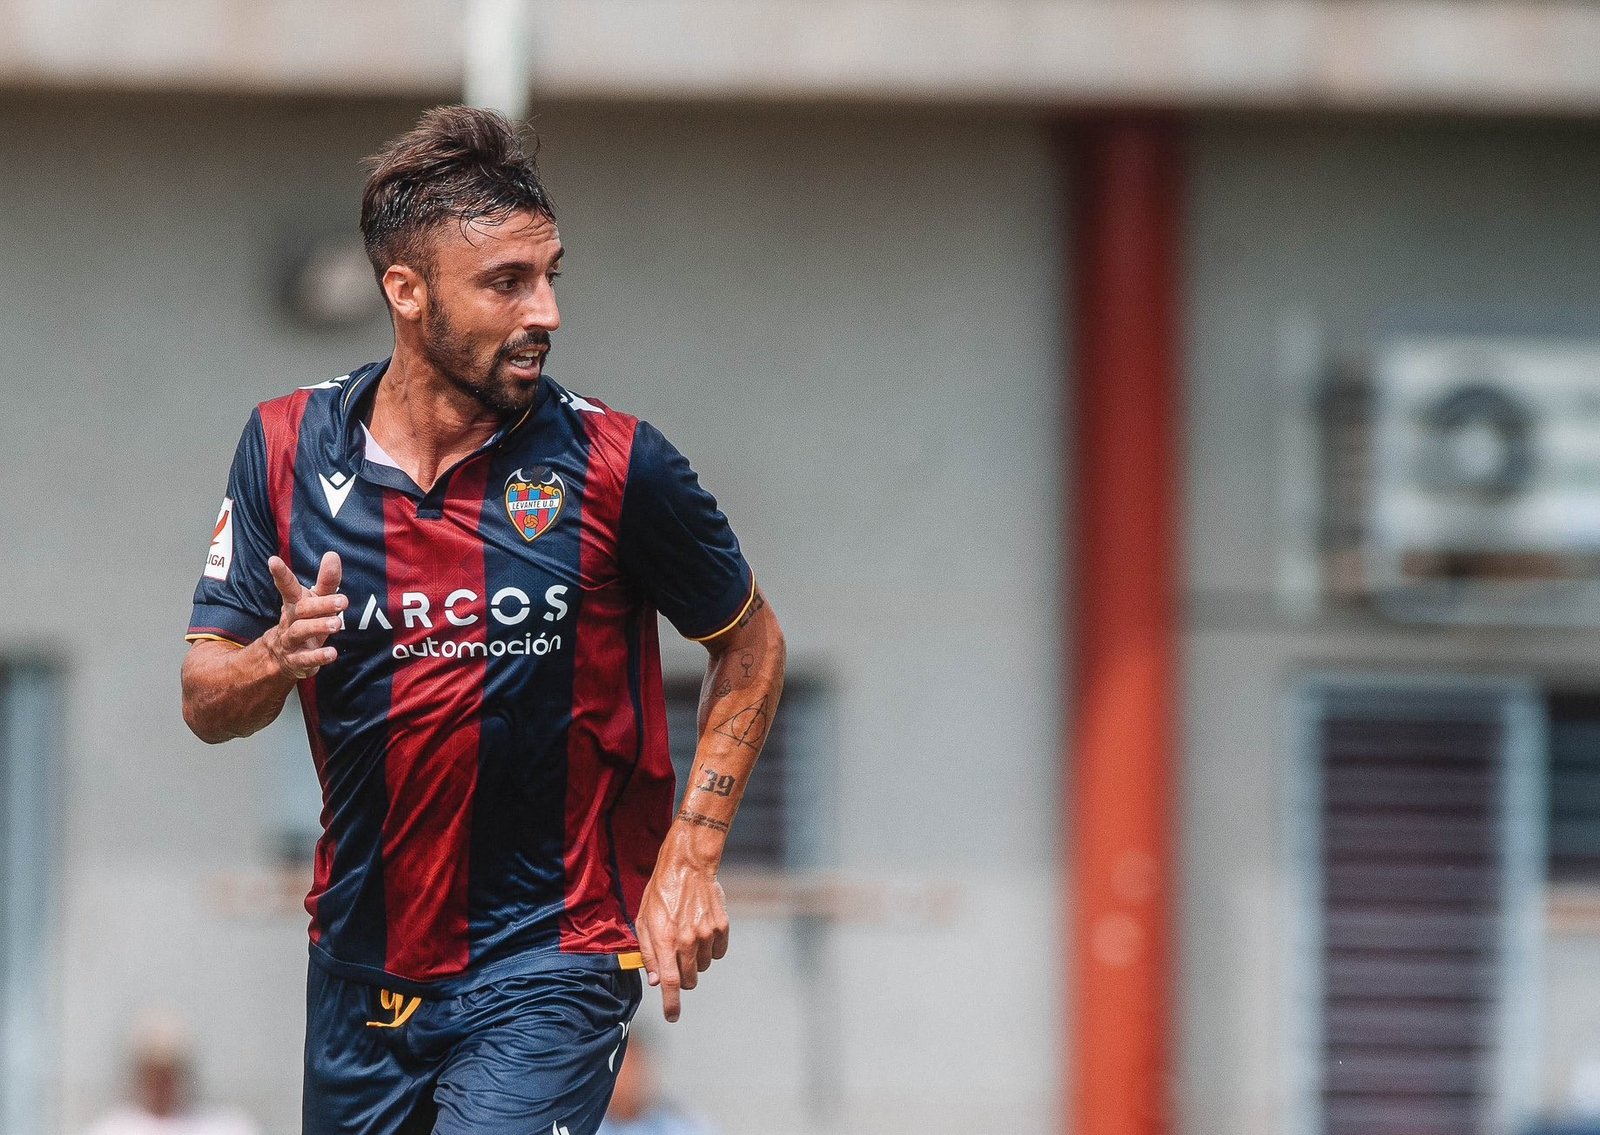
<point x="533" y="500"/>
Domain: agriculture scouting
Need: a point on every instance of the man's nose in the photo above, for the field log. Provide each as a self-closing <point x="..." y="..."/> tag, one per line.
<point x="541" y="312"/>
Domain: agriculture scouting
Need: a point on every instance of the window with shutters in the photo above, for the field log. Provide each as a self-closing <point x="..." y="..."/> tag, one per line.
<point x="1424" y="861"/>
<point x="779" y="826"/>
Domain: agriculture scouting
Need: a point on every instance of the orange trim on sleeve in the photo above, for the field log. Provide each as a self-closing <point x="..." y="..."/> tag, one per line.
<point x="733" y="622"/>
<point x="213" y="638"/>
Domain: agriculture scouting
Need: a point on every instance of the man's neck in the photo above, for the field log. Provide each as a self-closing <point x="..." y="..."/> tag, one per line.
<point x="424" y="422"/>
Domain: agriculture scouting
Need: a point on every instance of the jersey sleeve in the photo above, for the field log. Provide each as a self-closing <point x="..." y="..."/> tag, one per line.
<point x="675" y="544"/>
<point x="236" y="600"/>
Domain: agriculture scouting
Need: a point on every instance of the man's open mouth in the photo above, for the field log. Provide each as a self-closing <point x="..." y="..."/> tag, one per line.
<point x="528" y="359"/>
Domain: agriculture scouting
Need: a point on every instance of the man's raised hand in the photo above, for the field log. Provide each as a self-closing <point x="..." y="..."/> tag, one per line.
<point x="309" y="616"/>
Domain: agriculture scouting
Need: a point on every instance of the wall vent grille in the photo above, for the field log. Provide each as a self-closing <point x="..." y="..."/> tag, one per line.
<point x="1410" y="868"/>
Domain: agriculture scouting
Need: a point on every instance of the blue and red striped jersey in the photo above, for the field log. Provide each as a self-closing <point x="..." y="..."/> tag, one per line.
<point x="491" y="740"/>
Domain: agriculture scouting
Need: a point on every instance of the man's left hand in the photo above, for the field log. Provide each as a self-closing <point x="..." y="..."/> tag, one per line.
<point x="682" y="926"/>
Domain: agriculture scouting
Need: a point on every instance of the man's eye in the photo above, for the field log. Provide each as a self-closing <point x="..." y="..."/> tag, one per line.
<point x="553" y="274"/>
<point x="504" y="285"/>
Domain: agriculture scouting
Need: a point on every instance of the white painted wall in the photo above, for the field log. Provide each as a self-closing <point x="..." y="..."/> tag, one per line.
<point x="850" y="322"/>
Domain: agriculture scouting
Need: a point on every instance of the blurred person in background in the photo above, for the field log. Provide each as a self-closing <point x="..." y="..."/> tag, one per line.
<point x="480" y="676"/>
<point x="161" y="1057"/>
<point x="637" y="1106"/>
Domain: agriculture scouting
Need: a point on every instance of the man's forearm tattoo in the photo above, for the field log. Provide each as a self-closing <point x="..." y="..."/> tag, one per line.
<point x="749" y="726"/>
<point x="716" y="783"/>
<point x="750" y="612"/>
<point x="703" y="821"/>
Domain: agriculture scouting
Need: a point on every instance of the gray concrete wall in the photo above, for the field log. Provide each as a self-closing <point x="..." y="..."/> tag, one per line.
<point x="849" y="321"/>
<point x="1347" y="224"/>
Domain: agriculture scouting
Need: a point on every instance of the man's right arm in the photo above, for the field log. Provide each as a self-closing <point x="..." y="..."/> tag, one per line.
<point x="232" y="691"/>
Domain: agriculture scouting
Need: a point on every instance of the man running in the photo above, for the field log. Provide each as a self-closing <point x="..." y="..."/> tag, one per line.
<point x="458" y="564"/>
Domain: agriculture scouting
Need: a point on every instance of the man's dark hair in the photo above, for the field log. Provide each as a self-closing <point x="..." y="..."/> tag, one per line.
<point x="458" y="163"/>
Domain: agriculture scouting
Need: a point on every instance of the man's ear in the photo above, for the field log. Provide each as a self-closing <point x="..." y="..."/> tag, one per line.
<point x="406" y="291"/>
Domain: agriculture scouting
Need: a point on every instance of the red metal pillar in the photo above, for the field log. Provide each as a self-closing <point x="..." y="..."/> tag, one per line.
<point x="1123" y="756"/>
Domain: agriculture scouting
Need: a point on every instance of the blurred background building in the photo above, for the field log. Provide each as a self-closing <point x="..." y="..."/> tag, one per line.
<point x="1168" y="429"/>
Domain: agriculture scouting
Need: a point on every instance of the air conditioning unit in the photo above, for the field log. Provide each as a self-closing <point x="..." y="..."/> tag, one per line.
<point x="1484" y="502"/>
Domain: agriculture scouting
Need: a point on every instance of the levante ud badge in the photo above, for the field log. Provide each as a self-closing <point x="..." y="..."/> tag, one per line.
<point x="533" y="500"/>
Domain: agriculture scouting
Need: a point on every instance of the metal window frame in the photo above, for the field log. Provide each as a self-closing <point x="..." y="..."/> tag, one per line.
<point x="1514" y="1095"/>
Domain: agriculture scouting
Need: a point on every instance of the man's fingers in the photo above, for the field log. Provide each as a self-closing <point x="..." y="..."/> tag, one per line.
<point x="288" y="586"/>
<point x="330" y="572"/>
<point x="306" y="633"/>
<point x="300" y="655"/>
<point x="680" y="940"/>
<point x="671" y="1003"/>
<point x="296" y="646"/>
<point x="688" y="962"/>
<point x="310" y="615"/>
<point x="313" y="606"/>
<point x="652" y="972"/>
<point x="719" y="923"/>
<point x="305" y="663"/>
<point x="300" y="645"/>
<point x="660" y="968"/>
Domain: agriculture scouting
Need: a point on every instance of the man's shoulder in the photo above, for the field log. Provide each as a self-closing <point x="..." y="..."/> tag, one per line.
<point x="587" y="408"/>
<point x="607" y="431"/>
<point x="327" y="395"/>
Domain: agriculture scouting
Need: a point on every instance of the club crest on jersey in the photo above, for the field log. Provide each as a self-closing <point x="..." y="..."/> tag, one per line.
<point x="533" y="500"/>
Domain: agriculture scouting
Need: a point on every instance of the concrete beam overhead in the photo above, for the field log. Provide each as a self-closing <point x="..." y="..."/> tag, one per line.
<point x="1480" y="55"/>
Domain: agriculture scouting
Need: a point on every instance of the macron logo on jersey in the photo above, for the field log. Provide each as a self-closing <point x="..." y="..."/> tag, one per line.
<point x="220" y="558"/>
<point x="337" y="489"/>
<point x="579" y="403"/>
<point x="331" y="384"/>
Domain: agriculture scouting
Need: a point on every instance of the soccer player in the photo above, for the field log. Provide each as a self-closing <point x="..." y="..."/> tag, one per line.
<point x="458" y="564"/>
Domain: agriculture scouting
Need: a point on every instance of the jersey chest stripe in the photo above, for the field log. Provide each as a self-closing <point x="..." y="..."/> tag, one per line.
<point x="641" y="811"/>
<point x="281" y="422"/>
<point x="431" y="764"/>
<point x="602" y="722"/>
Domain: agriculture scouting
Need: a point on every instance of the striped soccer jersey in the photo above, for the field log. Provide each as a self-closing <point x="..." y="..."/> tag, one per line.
<point x="491" y="740"/>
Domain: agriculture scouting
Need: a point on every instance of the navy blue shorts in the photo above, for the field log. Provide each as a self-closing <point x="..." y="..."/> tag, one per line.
<point x="535" y="1055"/>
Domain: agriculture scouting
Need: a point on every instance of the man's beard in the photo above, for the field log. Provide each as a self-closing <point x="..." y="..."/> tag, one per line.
<point x="450" y="353"/>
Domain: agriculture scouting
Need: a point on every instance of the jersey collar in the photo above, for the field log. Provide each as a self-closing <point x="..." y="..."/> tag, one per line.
<point x="355" y="407"/>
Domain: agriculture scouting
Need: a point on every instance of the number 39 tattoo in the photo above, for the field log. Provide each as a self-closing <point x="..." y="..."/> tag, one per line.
<point x="716" y="784"/>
